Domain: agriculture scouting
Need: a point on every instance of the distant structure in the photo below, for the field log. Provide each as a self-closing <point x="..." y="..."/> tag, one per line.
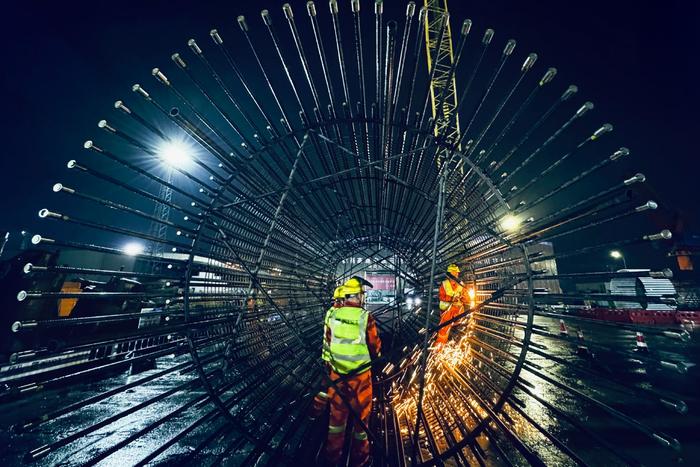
<point x="686" y="252"/>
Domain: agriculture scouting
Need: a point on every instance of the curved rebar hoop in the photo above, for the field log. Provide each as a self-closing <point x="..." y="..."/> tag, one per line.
<point x="222" y="207"/>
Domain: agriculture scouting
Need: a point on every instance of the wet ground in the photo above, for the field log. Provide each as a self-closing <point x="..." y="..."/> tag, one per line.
<point x="15" y="445"/>
<point x="646" y="383"/>
<point x="653" y="394"/>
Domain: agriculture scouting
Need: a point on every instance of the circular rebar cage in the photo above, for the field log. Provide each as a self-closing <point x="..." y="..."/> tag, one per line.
<point x="269" y="163"/>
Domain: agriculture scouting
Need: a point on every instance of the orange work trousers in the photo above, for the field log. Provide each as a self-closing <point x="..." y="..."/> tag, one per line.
<point x="447" y="315"/>
<point x="357" y="391"/>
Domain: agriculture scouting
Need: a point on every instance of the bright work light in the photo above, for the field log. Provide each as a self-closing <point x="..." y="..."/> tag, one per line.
<point x="174" y="153"/>
<point x="133" y="249"/>
<point x="510" y="222"/>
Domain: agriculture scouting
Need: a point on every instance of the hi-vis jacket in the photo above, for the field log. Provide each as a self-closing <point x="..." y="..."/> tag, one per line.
<point x="350" y="339"/>
<point x="450" y="295"/>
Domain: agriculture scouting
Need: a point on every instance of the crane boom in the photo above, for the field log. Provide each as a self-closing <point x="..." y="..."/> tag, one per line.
<point x="440" y="56"/>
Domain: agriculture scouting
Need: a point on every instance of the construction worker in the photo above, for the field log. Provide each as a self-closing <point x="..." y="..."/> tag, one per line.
<point x="351" y="342"/>
<point x="321" y="399"/>
<point x="453" y="297"/>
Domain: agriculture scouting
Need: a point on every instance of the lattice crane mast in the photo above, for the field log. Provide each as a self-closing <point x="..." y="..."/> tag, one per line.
<point x="440" y="58"/>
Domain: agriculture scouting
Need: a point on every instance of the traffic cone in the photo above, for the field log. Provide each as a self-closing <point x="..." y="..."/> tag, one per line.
<point x="582" y="349"/>
<point x="641" y="343"/>
<point x="318" y="406"/>
<point x="562" y="328"/>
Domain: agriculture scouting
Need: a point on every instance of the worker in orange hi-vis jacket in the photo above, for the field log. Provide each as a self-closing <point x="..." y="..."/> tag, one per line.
<point x="453" y="298"/>
<point x="321" y="399"/>
<point x="351" y="343"/>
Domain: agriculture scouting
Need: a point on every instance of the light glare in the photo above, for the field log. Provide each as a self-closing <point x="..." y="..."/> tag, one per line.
<point x="133" y="249"/>
<point x="510" y="222"/>
<point x="174" y="153"/>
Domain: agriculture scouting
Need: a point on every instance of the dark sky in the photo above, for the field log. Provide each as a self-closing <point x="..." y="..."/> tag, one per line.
<point x="64" y="64"/>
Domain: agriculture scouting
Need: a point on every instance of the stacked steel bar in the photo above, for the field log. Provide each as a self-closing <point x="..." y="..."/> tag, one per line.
<point x="293" y="165"/>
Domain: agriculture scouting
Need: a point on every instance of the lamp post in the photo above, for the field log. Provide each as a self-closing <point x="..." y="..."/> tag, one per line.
<point x="173" y="153"/>
<point x="618" y="255"/>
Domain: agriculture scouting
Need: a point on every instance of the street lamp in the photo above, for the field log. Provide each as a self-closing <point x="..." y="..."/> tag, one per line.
<point x="618" y="255"/>
<point x="175" y="153"/>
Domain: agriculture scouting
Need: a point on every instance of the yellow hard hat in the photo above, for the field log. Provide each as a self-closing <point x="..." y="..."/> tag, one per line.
<point x="338" y="293"/>
<point x="354" y="285"/>
<point x="453" y="269"/>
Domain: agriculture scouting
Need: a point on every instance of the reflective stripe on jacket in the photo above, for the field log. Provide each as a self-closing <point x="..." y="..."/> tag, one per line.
<point x="449" y="296"/>
<point x="326" y="351"/>
<point x="351" y="339"/>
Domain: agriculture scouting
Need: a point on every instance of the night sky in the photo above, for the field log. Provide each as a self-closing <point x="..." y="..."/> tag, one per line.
<point x="64" y="64"/>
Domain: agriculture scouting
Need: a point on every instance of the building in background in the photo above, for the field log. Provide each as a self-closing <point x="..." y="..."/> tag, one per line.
<point x="686" y="271"/>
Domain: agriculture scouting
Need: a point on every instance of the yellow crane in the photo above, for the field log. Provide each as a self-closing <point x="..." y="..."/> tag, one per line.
<point x="440" y="57"/>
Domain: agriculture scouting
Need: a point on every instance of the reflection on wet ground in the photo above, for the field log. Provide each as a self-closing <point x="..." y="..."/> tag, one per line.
<point x="651" y="394"/>
<point x="16" y="444"/>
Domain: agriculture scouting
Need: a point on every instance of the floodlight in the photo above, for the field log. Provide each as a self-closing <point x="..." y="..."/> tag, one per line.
<point x="133" y="249"/>
<point x="174" y="153"/>
<point x="510" y="222"/>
